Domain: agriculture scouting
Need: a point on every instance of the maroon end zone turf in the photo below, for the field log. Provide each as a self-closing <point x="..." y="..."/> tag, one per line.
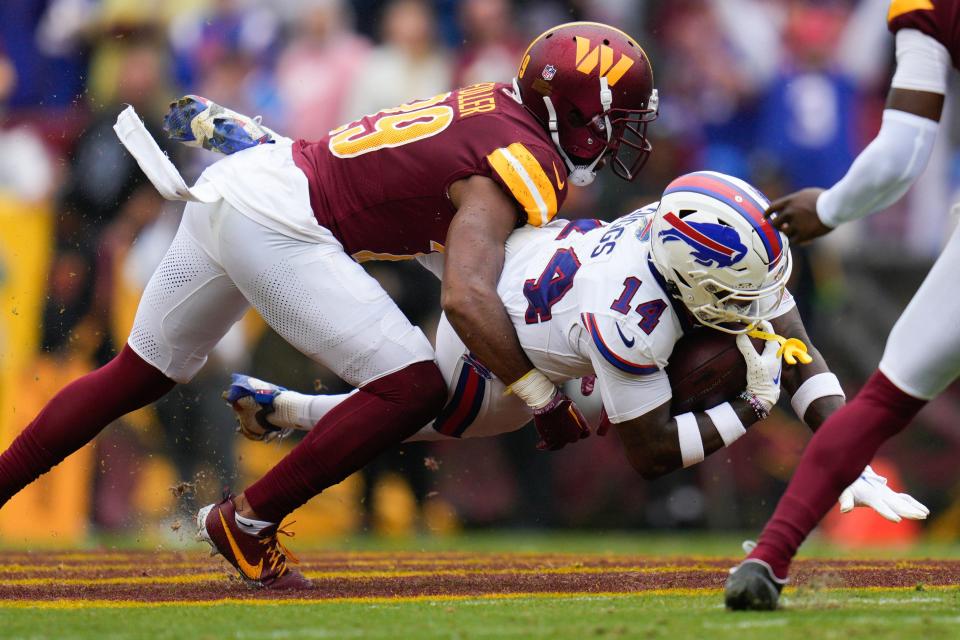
<point x="180" y="576"/>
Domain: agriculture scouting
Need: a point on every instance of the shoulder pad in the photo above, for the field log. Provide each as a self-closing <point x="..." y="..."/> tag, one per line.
<point x="533" y="177"/>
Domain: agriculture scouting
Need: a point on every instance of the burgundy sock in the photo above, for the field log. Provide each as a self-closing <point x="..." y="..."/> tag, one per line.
<point x="76" y="415"/>
<point x="382" y="414"/>
<point x="836" y="455"/>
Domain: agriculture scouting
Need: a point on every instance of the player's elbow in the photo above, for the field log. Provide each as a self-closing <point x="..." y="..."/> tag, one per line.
<point x="453" y="301"/>
<point x="655" y="461"/>
<point x="462" y="300"/>
<point x="895" y="174"/>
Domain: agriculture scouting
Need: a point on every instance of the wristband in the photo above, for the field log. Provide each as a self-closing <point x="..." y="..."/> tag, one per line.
<point x="691" y="444"/>
<point x="534" y="388"/>
<point x="727" y="422"/>
<point x="758" y="406"/>
<point x="813" y="388"/>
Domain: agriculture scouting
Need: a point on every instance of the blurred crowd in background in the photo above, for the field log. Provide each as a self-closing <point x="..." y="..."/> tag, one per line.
<point x="780" y="92"/>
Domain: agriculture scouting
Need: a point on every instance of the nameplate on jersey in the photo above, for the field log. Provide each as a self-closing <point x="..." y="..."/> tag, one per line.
<point x="476" y="99"/>
<point x="615" y="232"/>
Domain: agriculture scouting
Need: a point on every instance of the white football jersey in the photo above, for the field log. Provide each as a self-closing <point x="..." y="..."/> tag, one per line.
<point x="585" y="299"/>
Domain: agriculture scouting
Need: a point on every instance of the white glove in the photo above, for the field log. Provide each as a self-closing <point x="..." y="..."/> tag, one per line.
<point x="763" y="369"/>
<point x="871" y="490"/>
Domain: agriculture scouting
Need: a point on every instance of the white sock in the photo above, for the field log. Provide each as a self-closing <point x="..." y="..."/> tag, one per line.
<point x="251" y="526"/>
<point x="302" y="411"/>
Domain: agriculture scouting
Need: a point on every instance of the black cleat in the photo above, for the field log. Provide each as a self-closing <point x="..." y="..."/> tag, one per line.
<point x="752" y="586"/>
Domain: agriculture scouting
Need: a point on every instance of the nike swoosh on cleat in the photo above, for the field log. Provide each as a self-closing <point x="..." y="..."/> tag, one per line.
<point x="250" y="571"/>
<point x="630" y="342"/>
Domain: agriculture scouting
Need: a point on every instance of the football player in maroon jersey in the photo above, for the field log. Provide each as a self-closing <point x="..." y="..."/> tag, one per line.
<point x="922" y="354"/>
<point x="282" y="226"/>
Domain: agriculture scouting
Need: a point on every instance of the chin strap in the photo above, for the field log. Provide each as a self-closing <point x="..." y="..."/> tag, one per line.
<point x="581" y="175"/>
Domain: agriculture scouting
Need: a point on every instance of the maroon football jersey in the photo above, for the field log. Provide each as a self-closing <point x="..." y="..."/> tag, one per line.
<point x="380" y="183"/>
<point x="939" y="19"/>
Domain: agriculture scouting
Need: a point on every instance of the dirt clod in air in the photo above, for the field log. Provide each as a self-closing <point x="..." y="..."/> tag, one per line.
<point x="183" y="488"/>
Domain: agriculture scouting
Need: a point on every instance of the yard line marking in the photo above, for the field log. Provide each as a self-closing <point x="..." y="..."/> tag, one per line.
<point x="193" y="578"/>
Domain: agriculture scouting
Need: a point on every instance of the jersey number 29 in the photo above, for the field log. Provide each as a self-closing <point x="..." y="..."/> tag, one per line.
<point x="392" y="127"/>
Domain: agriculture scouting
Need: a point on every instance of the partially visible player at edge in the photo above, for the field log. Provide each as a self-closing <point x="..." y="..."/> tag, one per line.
<point x="282" y="226"/>
<point x="922" y="354"/>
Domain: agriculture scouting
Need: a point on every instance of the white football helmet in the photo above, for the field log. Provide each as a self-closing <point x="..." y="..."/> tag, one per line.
<point x="724" y="260"/>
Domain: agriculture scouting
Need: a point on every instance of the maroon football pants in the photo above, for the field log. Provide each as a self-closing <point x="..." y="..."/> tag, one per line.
<point x="835" y="457"/>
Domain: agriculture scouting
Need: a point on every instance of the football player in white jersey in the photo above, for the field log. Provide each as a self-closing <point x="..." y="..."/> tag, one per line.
<point x="611" y="300"/>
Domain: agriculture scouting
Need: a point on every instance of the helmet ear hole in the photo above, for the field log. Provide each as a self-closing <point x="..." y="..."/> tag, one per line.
<point x="685" y="212"/>
<point x="575" y="118"/>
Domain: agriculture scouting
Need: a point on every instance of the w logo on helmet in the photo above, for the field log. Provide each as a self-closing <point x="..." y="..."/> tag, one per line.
<point x="588" y="58"/>
<point x="713" y="245"/>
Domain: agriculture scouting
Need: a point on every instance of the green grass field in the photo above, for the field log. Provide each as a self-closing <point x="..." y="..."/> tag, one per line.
<point x="818" y="609"/>
<point x="847" y="614"/>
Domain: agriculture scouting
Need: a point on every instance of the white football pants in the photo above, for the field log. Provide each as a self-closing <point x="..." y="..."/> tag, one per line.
<point x="922" y="356"/>
<point x="310" y="292"/>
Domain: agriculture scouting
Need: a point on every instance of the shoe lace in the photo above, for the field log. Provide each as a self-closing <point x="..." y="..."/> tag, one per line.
<point x="277" y="552"/>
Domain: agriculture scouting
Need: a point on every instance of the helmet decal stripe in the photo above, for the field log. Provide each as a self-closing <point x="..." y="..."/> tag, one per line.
<point x="590" y="322"/>
<point x="745" y="203"/>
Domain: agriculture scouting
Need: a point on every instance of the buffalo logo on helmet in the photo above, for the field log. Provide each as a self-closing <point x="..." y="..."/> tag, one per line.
<point x="548" y="72"/>
<point x="712" y="245"/>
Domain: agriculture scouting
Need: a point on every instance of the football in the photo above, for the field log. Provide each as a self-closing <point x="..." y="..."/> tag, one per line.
<point x="706" y="369"/>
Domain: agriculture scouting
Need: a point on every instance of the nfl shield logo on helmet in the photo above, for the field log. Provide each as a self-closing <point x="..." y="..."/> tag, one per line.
<point x="548" y="72"/>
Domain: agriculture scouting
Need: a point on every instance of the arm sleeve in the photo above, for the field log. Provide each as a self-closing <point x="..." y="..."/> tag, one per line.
<point x="922" y="63"/>
<point x="883" y="171"/>
<point x="522" y="171"/>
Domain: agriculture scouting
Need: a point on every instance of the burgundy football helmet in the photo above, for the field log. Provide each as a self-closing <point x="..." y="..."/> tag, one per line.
<point x="591" y="87"/>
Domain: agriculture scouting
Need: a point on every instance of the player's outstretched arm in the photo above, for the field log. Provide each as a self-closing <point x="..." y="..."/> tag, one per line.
<point x="474" y="254"/>
<point x="889" y="165"/>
